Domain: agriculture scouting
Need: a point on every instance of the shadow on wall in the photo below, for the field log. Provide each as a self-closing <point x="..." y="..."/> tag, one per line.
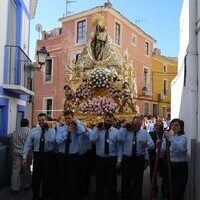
<point x="192" y="191"/>
<point x="5" y="162"/>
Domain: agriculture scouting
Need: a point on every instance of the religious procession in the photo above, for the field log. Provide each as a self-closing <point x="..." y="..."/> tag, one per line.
<point x="100" y="134"/>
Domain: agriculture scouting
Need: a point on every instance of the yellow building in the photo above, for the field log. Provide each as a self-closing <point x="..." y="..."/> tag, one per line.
<point x="164" y="70"/>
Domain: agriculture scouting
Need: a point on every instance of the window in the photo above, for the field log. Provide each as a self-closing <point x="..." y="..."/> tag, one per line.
<point x="164" y="112"/>
<point x="48" y="70"/>
<point x="134" y="40"/>
<point x="146" y="109"/>
<point x="155" y="109"/>
<point x="48" y="106"/>
<point x="81" y="31"/>
<point x="146" y="48"/>
<point x="165" y="87"/>
<point x="165" y="68"/>
<point x="117" y="33"/>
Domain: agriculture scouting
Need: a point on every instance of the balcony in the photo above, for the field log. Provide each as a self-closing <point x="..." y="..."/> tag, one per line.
<point x="16" y="78"/>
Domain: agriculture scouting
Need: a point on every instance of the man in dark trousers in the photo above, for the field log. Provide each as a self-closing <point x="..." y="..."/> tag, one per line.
<point x="157" y="134"/>
<point x="41" y="139"/>
<point x="84" y="164"/>
<point x="108" y="158"/>
<point x="68" y="156"/>
<point x="135" y="143"/>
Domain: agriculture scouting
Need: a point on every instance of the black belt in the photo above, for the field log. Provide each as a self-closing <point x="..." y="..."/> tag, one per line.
<point x="131" y="157"/>
<point x="178" y="163"/>
<point x="71" y="154"/>
<point x="107" y="157"/>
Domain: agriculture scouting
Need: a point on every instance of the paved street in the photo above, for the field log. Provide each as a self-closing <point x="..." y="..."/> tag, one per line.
<point x="6" y="193"/>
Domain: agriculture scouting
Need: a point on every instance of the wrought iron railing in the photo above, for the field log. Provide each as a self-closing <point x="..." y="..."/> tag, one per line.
<point x="15" y="62"/>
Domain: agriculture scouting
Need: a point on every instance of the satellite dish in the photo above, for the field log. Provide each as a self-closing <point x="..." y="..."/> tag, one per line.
<point x="38" y="28"/>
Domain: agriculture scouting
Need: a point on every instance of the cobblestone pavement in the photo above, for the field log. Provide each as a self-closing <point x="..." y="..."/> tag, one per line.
<point x="6" y="193"/>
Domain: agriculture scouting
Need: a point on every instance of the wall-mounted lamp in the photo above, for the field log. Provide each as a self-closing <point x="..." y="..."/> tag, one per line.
<point x="144" y="90"/>
<point x="41" y="58"/>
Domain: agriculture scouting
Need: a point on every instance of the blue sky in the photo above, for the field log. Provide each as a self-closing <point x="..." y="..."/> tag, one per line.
<point x="158" y="18"/>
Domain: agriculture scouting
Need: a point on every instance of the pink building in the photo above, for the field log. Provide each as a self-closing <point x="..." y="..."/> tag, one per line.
<point x="65" y="44"/>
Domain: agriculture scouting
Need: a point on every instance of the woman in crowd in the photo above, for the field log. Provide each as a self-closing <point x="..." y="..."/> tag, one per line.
<point x="178" y="157"/>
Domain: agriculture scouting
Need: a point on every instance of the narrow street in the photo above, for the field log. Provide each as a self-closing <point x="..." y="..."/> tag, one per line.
<point x="6" y="193"/>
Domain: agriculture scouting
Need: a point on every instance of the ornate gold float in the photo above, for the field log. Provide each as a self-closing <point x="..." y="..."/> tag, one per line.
<point x="101" y="80"/>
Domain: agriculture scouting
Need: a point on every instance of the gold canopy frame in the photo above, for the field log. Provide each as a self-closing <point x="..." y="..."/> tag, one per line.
<point x="102" y="80"/>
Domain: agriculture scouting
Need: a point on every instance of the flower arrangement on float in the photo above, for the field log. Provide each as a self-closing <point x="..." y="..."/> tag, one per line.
<point x="100" y="78"/>
<point x="84" y="91"/>
<point x="98" y="105"/>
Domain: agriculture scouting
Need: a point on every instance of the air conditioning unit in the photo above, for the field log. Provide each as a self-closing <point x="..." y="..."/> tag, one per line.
<point x="161" y="96"/>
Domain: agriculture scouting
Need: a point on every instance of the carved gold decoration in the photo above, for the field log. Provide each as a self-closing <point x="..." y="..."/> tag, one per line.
<point x="105" y="85"/>
<point x="102" y="92"/>
<point x="98" y="19"/>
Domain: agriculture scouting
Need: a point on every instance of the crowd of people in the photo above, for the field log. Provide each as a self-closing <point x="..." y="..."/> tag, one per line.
<point x="67" y="152"/>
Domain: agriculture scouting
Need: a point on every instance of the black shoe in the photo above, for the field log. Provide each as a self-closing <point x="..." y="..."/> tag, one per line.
<point x="163" y="193"/>
<point x="155" y="194"/>
<point x="27" y="188"/>
<point x="15" y="192"/>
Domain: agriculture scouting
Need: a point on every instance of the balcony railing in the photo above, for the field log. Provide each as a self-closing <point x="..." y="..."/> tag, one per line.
<point x="15" y="77"/>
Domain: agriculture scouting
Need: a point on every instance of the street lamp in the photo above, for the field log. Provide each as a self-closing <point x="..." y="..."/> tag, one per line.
<point x="41" y="58"/>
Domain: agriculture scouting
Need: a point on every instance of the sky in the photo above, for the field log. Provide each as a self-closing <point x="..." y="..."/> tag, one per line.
<point x="158" y="18"/>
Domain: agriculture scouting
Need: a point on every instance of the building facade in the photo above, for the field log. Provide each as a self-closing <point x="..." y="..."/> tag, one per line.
<point x="185" y="89"/>
<point x="15" y="82"/>
<point x="164" y="70"/>
<point x="65" y="43"/>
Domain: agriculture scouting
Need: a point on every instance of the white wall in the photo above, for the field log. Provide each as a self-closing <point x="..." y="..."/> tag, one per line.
<point x="198" y="49"/>
<point x="184" y="97"/>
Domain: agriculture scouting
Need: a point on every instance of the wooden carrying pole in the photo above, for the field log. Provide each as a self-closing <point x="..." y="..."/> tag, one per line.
<point x="155" y="170"/>
<point x="169" y="172"/>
